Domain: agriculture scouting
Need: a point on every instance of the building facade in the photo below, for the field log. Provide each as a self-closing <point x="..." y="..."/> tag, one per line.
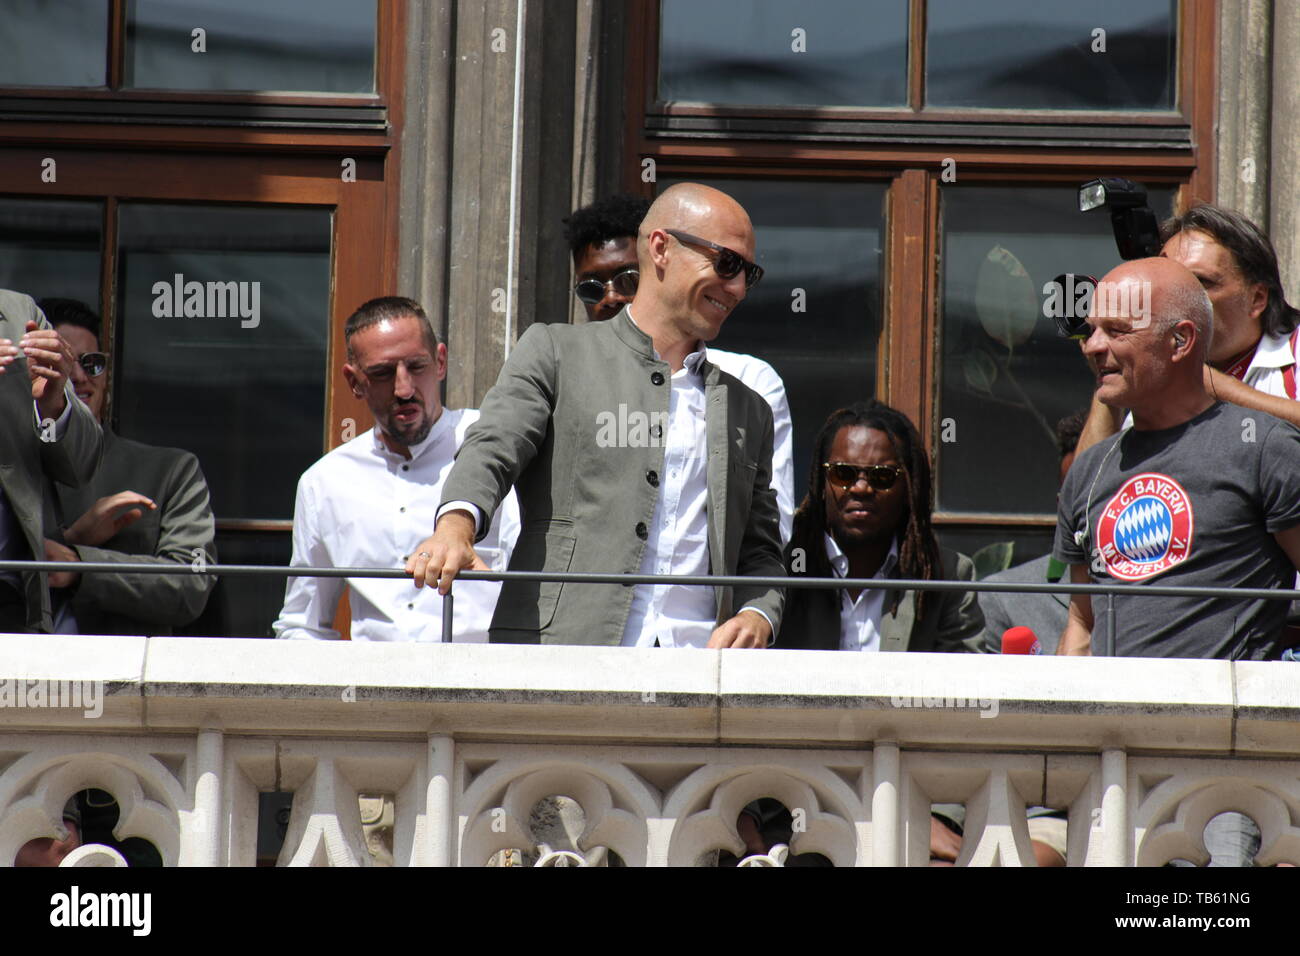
<point x="911" y="168"/>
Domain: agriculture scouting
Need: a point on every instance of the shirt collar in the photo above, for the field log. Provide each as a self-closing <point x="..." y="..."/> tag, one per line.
<point x="692" y="362"/>
<point x="840" y="561"/>
<point x="435" y="433"/>
<point x="1273" y="351"/>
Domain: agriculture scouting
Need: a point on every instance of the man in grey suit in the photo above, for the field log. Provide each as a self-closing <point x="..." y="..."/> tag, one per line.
<point x="1045" y="614"/>
<point x="145" y="505"/>
<point x="629" y="452"/>
<point x="56" y="437"/>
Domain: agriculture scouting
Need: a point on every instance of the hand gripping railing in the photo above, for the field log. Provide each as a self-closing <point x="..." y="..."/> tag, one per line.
<point x="705" y="580"/>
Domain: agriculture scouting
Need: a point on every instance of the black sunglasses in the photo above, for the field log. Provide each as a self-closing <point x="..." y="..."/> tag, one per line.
<point x="728" y="263"/>
<point x="843" y="475"/>
<point x="93" y="364"/>
<point x="591" y="291"/>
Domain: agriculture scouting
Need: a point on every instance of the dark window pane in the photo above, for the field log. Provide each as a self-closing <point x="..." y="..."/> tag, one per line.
<point x="854" y="52"/>
<point x="51" y="247"/>
<point x="44" y="43"/>
<point x="819" y="244"/>
<point x="245" y="606"/>
<point x="1027" y="543"/>
<point x="289" y="45"/>
<point x="1026" y="54"/>
<point x="1007" y="375"/>
<point x="243" y="391"/>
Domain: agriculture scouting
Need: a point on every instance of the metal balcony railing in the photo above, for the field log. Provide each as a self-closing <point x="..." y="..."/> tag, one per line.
<point x="893" y="584"/>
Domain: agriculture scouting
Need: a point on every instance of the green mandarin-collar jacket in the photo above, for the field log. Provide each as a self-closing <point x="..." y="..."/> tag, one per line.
<point x="575" y="422"/>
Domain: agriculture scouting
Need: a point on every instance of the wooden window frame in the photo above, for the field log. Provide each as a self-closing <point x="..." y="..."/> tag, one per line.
<point x="914" y="123"/>
<point x="238" y="108"/>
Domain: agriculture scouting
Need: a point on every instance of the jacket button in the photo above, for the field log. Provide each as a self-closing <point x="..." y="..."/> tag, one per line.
<point x="642" y="531"/>
<point x="653" y="478"/>
<point x="656" y="431"/>
<point x="657" y="378"/>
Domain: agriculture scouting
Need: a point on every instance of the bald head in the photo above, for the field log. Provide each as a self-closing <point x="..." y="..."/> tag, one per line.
<point x="687" y="251"/>
<point x="1160" y="292"/>
<point x="695" y="208"/>
<point x="1150" y="328"/>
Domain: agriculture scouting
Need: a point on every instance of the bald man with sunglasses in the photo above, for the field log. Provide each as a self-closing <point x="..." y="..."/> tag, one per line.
<point x="603" y="239"/>
<point x="630" y="452"/>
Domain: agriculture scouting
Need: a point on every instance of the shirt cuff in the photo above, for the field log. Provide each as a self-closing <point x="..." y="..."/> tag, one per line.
<point x="772" y="637"/>
<point x="60" y="423"/>
<point x="463" y="506"/>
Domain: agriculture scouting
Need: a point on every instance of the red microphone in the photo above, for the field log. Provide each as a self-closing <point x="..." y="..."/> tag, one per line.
<point x="1020" y="640"/>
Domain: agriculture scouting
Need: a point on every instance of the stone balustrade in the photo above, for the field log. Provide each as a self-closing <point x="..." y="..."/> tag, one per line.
<point x="661" y="749"/>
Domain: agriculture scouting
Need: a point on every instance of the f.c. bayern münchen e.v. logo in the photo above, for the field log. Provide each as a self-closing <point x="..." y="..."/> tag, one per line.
<point x="1146" y="528"/>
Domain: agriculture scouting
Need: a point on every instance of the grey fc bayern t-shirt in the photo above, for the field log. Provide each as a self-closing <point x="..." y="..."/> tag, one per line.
<point x="1197" y="506"/>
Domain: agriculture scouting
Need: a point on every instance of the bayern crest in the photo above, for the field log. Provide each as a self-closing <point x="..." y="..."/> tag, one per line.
<point x="1146" y="528"/>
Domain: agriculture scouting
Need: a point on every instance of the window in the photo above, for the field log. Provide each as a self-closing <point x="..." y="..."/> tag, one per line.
<point x="255" y="157"/>
<point x="223" y="335"/>
<point x="711" y="54"/>
<point x="970" y="127"/>
<point x="1006" y="375"/>
<point x="325" y="46"/>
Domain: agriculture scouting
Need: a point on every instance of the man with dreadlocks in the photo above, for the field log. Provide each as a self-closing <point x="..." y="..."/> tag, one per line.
<point x="867" y="515"/>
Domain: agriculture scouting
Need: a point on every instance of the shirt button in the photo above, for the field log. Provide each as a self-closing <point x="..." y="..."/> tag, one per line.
<point x="410" y="607"/>
<point x="642" y="531"/>
<point x="406" y="468"/>
<point x="653" y="478"/>
<point x="657" y="378"/>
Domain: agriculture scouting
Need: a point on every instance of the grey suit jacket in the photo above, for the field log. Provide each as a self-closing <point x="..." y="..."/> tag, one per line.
<point x="586" y="502"/>
<point x="1045" y="613"/>
<point x="26" y="462"/>
<point x="952" y="622"/>
<point x="149" y="604"/>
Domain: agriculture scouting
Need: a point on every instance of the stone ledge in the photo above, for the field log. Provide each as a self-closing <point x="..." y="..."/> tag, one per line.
<point x="597" y="694"/>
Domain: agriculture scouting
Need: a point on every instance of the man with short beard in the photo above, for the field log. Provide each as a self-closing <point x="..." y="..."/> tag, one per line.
<point x="367" y="502"/>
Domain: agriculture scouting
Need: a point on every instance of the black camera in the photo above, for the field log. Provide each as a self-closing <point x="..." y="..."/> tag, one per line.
<point x="1137" y="236"/>
<point x="1068" y="299"/>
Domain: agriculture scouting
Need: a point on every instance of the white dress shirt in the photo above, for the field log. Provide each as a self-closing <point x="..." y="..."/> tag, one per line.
<point x="763" y="379"/>
<point x="363" y="505"/>
<point x="860" y="619"/>
<point x="1268" y="365"/>
<point x="676" y="615"/>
